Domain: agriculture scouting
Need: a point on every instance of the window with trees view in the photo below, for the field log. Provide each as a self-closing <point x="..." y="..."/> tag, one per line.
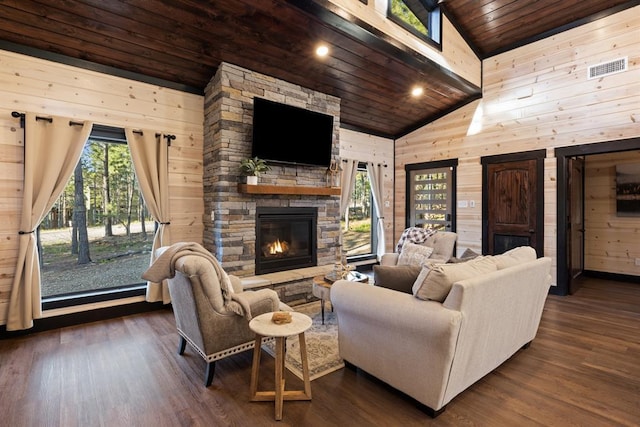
<point x="420" y="17"/>
<point x="98" y="235"/>
<point x="358" y="229"/>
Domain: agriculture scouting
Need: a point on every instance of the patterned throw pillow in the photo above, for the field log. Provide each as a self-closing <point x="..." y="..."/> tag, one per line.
<point x="413" y="254"/>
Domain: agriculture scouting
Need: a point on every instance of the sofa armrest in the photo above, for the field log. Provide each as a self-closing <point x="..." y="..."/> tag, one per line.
<point x="502" y="312"/>
<point x="397" y="338"/>
<point x="389" y="259"/>
<point x="388" y="306"/>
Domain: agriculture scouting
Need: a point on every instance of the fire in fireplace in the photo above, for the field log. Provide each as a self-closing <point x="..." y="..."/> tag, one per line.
<point x="276" y="249"/>
<point x="285" y="239"/>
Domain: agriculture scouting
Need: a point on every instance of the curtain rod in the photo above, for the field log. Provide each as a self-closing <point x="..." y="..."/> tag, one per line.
<point x="379" y="164"/>
<point x="17" y="114"/>
<point x="169" y="138"/>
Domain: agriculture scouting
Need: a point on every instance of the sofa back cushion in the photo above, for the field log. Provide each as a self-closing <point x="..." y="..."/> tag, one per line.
<point x="515" y="256"/>
<point x="435" y="281"/>
<point x="397" y="277"/>
<point x="442" y="242"/>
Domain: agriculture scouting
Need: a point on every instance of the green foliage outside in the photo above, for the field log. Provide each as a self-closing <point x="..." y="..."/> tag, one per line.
<point x="402" y="11"/>
<point x="118" y="226"/>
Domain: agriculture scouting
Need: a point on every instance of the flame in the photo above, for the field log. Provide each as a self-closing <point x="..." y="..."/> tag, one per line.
<point x="277" y="247"/>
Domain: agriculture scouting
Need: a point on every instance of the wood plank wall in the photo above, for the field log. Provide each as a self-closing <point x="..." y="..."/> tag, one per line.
<point x="612" y="242"/>
<point x="534" y="97"/>
<point x="375" y="149"/>
<point x="36" y="85"/>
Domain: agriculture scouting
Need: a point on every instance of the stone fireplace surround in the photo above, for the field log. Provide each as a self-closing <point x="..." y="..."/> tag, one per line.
<point x="229" y="223"/>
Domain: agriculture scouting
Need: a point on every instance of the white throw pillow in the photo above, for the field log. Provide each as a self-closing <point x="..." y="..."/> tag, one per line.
<point x="413" y="254"/>
<point x="434" y="282"/>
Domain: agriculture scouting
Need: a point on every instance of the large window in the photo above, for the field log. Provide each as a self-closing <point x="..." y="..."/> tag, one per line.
<point x="98" y="235"/>
<point x="420" y="17"/>
<point x="359" y="235"/>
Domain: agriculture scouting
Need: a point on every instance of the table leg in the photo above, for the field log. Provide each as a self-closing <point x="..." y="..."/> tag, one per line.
<point x="255" y="367"/>
<point x="279" y="380"/>
<point x="305" y="365"/>
<point x="322" y="309"/>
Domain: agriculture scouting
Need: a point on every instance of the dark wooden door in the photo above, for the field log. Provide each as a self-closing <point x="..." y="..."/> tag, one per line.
<point x="575" y="222"/>
<point x="512" y="218"/>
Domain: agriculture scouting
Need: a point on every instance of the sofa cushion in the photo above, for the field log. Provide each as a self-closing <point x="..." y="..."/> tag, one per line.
<point x="397" y="277"/>
<point x="515" y="256"/>
<point x="467" y="255"/>
<point x="413" y="254"/>
<point x="434" y="282"/>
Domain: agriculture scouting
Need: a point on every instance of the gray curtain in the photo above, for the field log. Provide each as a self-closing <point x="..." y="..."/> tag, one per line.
<point x="52" y="150"/>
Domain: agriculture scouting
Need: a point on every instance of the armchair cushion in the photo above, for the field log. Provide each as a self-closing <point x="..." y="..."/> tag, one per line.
<point x="435" y="282"/>
<point x="397" y="277"/>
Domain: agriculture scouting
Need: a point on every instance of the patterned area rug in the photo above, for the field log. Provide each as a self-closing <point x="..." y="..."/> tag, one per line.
<point x="321" y="340"/>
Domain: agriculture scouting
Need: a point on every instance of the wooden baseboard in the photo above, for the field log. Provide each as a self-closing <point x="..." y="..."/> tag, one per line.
<point x="612" y="276"/>
<point x="72" y="319"/>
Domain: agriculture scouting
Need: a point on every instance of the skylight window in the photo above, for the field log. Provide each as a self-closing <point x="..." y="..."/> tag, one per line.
<point x="420" y="17"/>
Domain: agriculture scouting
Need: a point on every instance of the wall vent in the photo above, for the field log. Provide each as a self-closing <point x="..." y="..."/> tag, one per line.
<point x="607" y="68"/>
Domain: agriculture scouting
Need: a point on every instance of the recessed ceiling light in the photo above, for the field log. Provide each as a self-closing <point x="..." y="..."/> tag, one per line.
<point x="417" y="91"/>
<point x="322" y="50"/>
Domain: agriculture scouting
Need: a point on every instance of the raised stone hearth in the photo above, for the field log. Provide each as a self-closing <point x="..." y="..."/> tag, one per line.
<point x="292" y="286"/>
<point x="229" y="223"/>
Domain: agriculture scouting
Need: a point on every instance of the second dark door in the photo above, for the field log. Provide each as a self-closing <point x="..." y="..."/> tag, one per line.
<point x="512" y="212"/>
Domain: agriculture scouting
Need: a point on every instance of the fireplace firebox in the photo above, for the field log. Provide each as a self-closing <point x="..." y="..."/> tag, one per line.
<point x="286" y="238"/>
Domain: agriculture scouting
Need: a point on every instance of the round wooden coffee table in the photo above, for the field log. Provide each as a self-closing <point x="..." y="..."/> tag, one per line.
<point x="322" y="286"/>
<point x="264" y="327"/>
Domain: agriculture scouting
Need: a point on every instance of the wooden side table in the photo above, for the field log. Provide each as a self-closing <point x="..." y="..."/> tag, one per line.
<point x="322" y="287"/>
<point x="264" y="327"/>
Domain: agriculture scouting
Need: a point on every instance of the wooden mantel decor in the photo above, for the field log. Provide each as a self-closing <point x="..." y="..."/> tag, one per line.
<point x="288" y="189"/>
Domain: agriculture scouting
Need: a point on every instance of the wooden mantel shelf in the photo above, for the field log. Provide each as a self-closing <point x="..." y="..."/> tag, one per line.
<point x="288" y="189"/>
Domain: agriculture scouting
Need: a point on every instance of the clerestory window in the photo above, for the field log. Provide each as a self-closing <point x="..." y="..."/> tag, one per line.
<point x="420" y="17"/>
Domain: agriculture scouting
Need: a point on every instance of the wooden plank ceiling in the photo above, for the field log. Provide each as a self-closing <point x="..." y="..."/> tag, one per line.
<point x="184" y="41"/>
<point x="496" y="26"/>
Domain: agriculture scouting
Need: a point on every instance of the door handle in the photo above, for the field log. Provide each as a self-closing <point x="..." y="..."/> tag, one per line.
<point x="532" y="231"/>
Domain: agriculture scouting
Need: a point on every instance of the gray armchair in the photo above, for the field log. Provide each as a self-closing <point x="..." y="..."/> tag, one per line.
<point x="204" y="320"/>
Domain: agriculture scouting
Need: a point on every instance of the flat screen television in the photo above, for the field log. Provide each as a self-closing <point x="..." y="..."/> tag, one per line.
<point x="287" y="134"/>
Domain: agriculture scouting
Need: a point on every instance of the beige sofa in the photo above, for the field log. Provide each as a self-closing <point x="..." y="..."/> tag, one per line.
<point x="433" y="350"/>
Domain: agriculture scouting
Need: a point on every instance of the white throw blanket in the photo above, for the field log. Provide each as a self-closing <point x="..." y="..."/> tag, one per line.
<point x="164" y="268"/>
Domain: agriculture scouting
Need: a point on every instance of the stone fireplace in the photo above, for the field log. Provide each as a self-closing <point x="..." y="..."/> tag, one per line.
<point x="231" y="230"/>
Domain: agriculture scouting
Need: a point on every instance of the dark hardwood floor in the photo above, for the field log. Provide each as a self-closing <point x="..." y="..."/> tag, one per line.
<point x="582" y="369"/>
